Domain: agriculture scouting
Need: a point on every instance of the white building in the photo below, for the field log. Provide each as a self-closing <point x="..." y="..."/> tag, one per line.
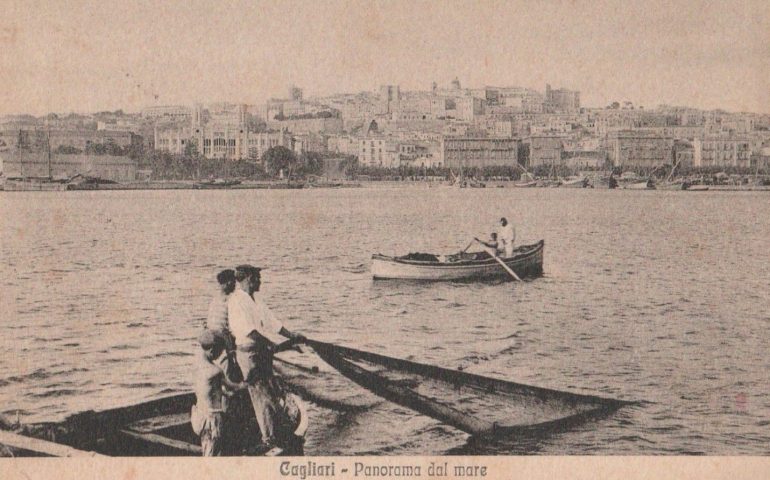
<point x="721" y="151"/>
<point x="378" y="151"/>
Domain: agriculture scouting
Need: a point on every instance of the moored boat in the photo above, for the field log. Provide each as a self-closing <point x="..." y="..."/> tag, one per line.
<point x="526" y="261"/>
<point x="581" y="182"/>
<point x="531" y="184"/>
<point x="33" y="185"/>
<point x="648" y="185"/>
<point x="216" y="183"/>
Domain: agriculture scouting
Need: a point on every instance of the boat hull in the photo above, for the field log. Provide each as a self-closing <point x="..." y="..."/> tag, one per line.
<point x="33" y="186"/>
<point x="580" y="183"/>
<point x="526" y="262"/>
<point x="640" y="186"/>
<point x="156" y="428"/>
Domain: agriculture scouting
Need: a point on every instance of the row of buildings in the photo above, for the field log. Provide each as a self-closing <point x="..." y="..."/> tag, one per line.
<point x="447" y="126"/>
<point x="455" y="127"/>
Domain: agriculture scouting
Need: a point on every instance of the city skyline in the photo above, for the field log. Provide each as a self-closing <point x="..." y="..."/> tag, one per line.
<point x="85" y="57"/>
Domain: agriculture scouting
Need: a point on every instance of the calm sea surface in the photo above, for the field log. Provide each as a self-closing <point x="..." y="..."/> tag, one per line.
<point x="655" y="296"/>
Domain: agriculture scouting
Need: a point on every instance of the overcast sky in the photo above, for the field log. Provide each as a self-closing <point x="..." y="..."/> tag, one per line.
<point x="87" y="56"/>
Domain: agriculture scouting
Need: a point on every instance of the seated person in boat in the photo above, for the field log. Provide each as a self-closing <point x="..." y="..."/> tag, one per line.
<point x="210" y="384"/>
<point x="492" y="244"/>
<point x="257" y="332"/>
<point x="217" y="320"/>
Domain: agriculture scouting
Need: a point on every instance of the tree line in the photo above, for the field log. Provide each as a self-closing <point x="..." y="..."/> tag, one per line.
<point x="191" y="165"/>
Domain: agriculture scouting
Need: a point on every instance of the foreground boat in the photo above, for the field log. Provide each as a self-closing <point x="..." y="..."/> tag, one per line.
<point x="478" y="405"/>
<point x="156" y="428"/>
<point x="527" y="260"/>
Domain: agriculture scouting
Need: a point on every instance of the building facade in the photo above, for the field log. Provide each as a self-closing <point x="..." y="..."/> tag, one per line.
<point x="23" y="164"/>
<point x="545" y="150"/>
<point x="217" y="141"/>
<point x="176" y="112"/>
<point x="639" y="149"/>
<point x="561" y="100"/>
<point x="378" y="151"/>
<point x="721" y="151"/>
<point x="457" y="152"/>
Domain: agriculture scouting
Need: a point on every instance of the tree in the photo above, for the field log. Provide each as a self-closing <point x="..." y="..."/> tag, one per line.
<point x="312" y="163"/>
<point x="350" y="165"/>
<point x="279" y="158"/>
<point x="191" y="149"/>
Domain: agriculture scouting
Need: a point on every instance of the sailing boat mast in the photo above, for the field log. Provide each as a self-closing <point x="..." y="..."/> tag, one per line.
<point x="48" y="145"/>
<point x="20" y="147"/>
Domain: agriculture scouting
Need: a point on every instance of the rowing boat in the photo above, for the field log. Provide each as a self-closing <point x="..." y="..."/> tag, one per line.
<point x="478" y="405"/>
<point x="527" y="260"/>
<point x="158" y="427"/>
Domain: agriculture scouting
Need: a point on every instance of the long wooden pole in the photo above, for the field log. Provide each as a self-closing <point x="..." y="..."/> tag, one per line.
<point x="500" y="261"/>
<point x="469" y="246"/>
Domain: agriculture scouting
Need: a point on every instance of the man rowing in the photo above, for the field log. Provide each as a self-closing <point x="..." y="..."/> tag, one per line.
<point x="492" y="244"/>
<point x="257" y="331"/>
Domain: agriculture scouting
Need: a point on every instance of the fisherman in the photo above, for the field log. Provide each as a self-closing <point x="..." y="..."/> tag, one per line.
<point x="257" y="332"/>
<point x="217" y="320"/>
<point x="211" y="383"/>
<point x="492" y="243"/>
<point x="506" y="235"/>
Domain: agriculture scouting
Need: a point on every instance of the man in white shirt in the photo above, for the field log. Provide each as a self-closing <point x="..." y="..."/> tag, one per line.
<point x="506" y="236"/>
<point x="256" y="331"/>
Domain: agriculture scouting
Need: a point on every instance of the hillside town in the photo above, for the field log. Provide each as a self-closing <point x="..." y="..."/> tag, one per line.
<point x="506" y="132"/>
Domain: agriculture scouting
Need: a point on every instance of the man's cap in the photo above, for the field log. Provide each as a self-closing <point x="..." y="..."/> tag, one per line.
<point x="209" y="339"/>
<point x="242" y="272"/>
<point x="247" y="268"/>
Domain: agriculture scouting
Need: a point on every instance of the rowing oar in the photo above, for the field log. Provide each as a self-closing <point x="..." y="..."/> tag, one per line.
<point x="469" y="246"/>
<point x="500" y="261"/>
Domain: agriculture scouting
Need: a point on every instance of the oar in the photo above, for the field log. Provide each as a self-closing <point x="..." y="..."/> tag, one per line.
<point x="499" y="260"/>
<point x="469" y="246"/>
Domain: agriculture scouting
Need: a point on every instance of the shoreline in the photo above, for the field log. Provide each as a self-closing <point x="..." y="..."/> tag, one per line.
<point x="33" y="186"/>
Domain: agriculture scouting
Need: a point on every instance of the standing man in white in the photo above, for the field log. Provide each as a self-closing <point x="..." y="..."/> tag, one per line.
<point x="257" y="331"/>
<point x="506" y="235"/>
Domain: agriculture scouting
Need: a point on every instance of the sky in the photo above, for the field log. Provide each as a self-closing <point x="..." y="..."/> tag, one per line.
<point x="86" y="56"/>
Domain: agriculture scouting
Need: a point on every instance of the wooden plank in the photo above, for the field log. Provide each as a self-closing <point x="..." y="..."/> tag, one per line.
<point x="167" y="442"/>
<point x="149" y="425"/>
<point x="14" y="440"/>
<point x="405" y="396"/>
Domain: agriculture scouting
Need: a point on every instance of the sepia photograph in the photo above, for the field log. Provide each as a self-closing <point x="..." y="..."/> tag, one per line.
<point x="384" y="239"/>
